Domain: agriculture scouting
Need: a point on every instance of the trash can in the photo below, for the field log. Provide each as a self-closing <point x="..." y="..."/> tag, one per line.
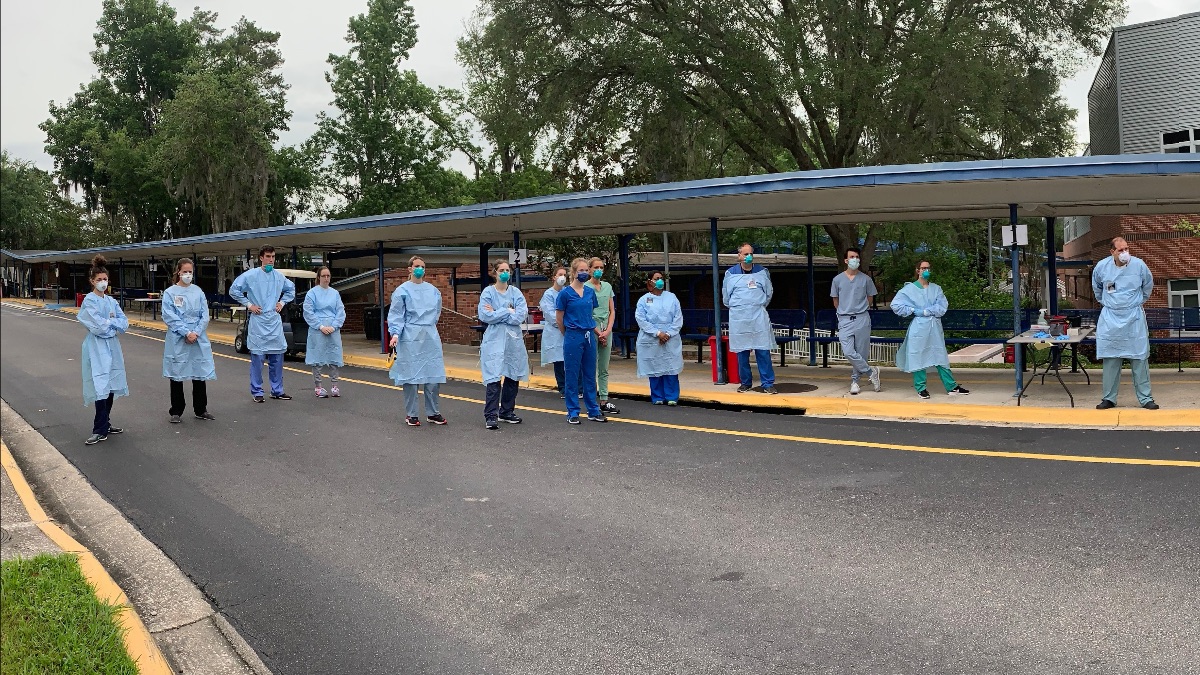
<point x="79" y="299"/>
<point x="731" y="369"/>
<point x="371" y="319"/>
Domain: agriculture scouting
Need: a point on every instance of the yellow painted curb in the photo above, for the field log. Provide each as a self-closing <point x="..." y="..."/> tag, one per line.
<point x="138" y="641"/>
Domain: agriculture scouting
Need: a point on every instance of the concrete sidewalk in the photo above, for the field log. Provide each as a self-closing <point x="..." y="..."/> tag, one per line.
<point x="825" y="391"/>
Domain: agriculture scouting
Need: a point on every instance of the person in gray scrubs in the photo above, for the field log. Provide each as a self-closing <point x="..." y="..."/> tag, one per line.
<point x="851" y="292"/>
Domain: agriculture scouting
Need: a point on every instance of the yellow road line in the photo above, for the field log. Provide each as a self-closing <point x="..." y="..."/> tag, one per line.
<point x="138" y="641"/>
<point x="1087" y="459"/>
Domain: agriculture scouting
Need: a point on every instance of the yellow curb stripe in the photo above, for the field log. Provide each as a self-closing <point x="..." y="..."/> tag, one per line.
<point x="138" y="641"/>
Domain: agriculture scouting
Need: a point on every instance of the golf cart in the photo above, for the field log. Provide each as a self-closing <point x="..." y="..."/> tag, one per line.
<point x="295" y="328"/>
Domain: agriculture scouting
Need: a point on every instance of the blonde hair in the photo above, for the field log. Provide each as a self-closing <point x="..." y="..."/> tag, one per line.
<point x="593" y="261"/>
<point x="575" y="264"/>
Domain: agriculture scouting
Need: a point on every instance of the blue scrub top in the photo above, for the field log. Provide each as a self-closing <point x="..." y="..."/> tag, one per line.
<point x="577" y="309"/>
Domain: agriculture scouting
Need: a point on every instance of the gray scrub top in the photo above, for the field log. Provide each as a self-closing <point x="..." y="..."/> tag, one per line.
<point x="852" y="294"/>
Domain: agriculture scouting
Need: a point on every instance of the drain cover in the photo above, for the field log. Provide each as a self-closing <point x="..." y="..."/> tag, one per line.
<point x="4" y="535"/>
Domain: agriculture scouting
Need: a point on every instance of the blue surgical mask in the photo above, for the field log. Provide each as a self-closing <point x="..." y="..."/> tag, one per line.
<point x="597" y="273"/>
<point x="418" y="272"/>
<point x="749" y="258"/>
<point x="582" y="276"/>
<point x="505" y="276"/>
<point x="853" y="263"/>
<point x="268" y="267"/>
<point x="658" y="283"/>
<point x="924" y="274"/>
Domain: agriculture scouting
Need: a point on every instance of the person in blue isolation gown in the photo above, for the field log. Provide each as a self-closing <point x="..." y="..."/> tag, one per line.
<point x="924" y="344"/>
<point x="503" y="359"/>
<point x="187" y="353"/>
<point x="412" y="323"/>
<point x="1122" y="283"/>
<point x="325" y="315"/>
<point x="103" y="362"/>
<point x="746" y="291"/>
<point x="659" y="347"/>
<point x="264" y="291"/>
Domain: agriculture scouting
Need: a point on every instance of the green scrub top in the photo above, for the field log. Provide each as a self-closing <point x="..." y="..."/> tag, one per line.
<point x="600" y="314"/>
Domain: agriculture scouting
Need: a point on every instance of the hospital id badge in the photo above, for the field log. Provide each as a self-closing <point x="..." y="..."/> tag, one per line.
<point x="179" y="301"/>
<point x="1111" y="287"/>
<point x="751" y="284"/>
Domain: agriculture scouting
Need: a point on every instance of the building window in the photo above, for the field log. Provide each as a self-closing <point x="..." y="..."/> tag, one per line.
<point x="1184" y="292"/>
<point x="1075" y="227"/>
<point x="1187" y="141"/>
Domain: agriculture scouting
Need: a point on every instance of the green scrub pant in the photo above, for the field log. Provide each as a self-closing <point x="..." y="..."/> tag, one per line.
<point x="1141" y="379"/>
<point x="947" y="379"/>
<point x="603" y="354"/>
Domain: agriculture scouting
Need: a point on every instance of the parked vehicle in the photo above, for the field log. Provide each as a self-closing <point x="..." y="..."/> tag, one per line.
<point x="295" y="328"/>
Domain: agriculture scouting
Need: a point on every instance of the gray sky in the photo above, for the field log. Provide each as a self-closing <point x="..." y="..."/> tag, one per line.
<point x="45" y="46"/>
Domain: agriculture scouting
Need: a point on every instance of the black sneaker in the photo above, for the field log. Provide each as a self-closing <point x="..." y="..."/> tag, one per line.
<point x="1151" y="405"/>
<point x="114" y="430"/>
<point x="438" y="420"/>
<point x="598" y="418"/>
<point x="510" y="418"/>
<point x="958" y="391"/>
<point x="744" y="388"/>
<point x="1105" y="404"/>
<point x="206" y="416"/>
<point x="924" y="394"/>
<point x="281" y="397"/>
<point x="609" y="409"/>
<point x="94" y="439"/>
<point x="176" y="419"/>
<point x="573" y="420"/>
<point x="491" y="424"/>
<point x="412" y="421"/>
<point x="259" y="399"/>
<point x="770" y="390"/>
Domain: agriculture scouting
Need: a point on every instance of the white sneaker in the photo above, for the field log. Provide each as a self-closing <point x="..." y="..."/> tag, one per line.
<point x="875" y="380"/>
<point x="854" y="389"/>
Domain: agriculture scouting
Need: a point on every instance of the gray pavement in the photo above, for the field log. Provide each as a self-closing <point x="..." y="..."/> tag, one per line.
<point x="337" y="540"/>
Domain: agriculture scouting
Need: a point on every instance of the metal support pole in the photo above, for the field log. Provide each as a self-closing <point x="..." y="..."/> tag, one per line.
<point x="151" y="274"/>
<point x="483" y="266"/>
<point x="121" y="274"/>
<point x="666" y="261"/>
<point x="1051" y="268"/>
<point x="623" y="242"/>
<point x="719" y="352"/>
<point x="383" y="334"/>
<point x="296" y="260"/>
<point x="517" y="265"/>
<point x="812" y="303"/>
<point x="1016" y="292"/>
<point x="991" y="267"/>
<point x="454" y="286"/>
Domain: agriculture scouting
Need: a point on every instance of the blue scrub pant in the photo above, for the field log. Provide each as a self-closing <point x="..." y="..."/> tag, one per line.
<point x="766" y="370"/>
<point x="560" y="373"/>
<point x="1140" y="368"/>
<point x="412" y="404"/>
<point x="101" y="423"/>
<point x="274" y="372"/>
<point x="664" y="388"/>
<point x="579" y="352"/>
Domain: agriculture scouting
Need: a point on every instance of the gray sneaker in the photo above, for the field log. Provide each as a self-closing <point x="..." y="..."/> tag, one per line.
<point x="94" y="439"/>
<point x="176" y="419"/>
<point x="875" y="379"/>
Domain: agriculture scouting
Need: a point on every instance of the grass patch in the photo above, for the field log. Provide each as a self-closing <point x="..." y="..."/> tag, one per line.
<point x="52" y="622"/>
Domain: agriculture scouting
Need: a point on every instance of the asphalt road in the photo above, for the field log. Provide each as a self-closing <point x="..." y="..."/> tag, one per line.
<point x="338" y="540"/>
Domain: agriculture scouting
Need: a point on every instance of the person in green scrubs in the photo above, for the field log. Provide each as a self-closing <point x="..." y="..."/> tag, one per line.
<point x="604" y="314"/>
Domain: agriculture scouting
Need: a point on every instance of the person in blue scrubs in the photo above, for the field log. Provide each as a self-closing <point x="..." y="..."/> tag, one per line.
<point x="1122" y="283"/>
<point x="103" y="360"/>
<point x="746" y="291"/>
<point x="503" y="359"/>
<point x="264" y="291"/>
<point x="187" y="354"/>
<point x="924" y="345"/>
<point x="574" y="319"/>
<point x="659" y="347"/>
<point x="412" y="323"/>
<point x="552" y="339"/>
<point x="325" y="314"/>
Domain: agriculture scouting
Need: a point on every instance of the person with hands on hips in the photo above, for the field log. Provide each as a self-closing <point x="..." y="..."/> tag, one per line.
<point x="924" y="344"/>
<point x="1122" y="283"/>
<point x="264" y="291"/>
<point x="659" y="347"/>
<point x="187" y="354"/>
<point x="103" y="361"/>
<point x="412" y="322"/>
<point x="325" y="315"/>
<point x="503" y="359"/>
<point x="747" y="291"/>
